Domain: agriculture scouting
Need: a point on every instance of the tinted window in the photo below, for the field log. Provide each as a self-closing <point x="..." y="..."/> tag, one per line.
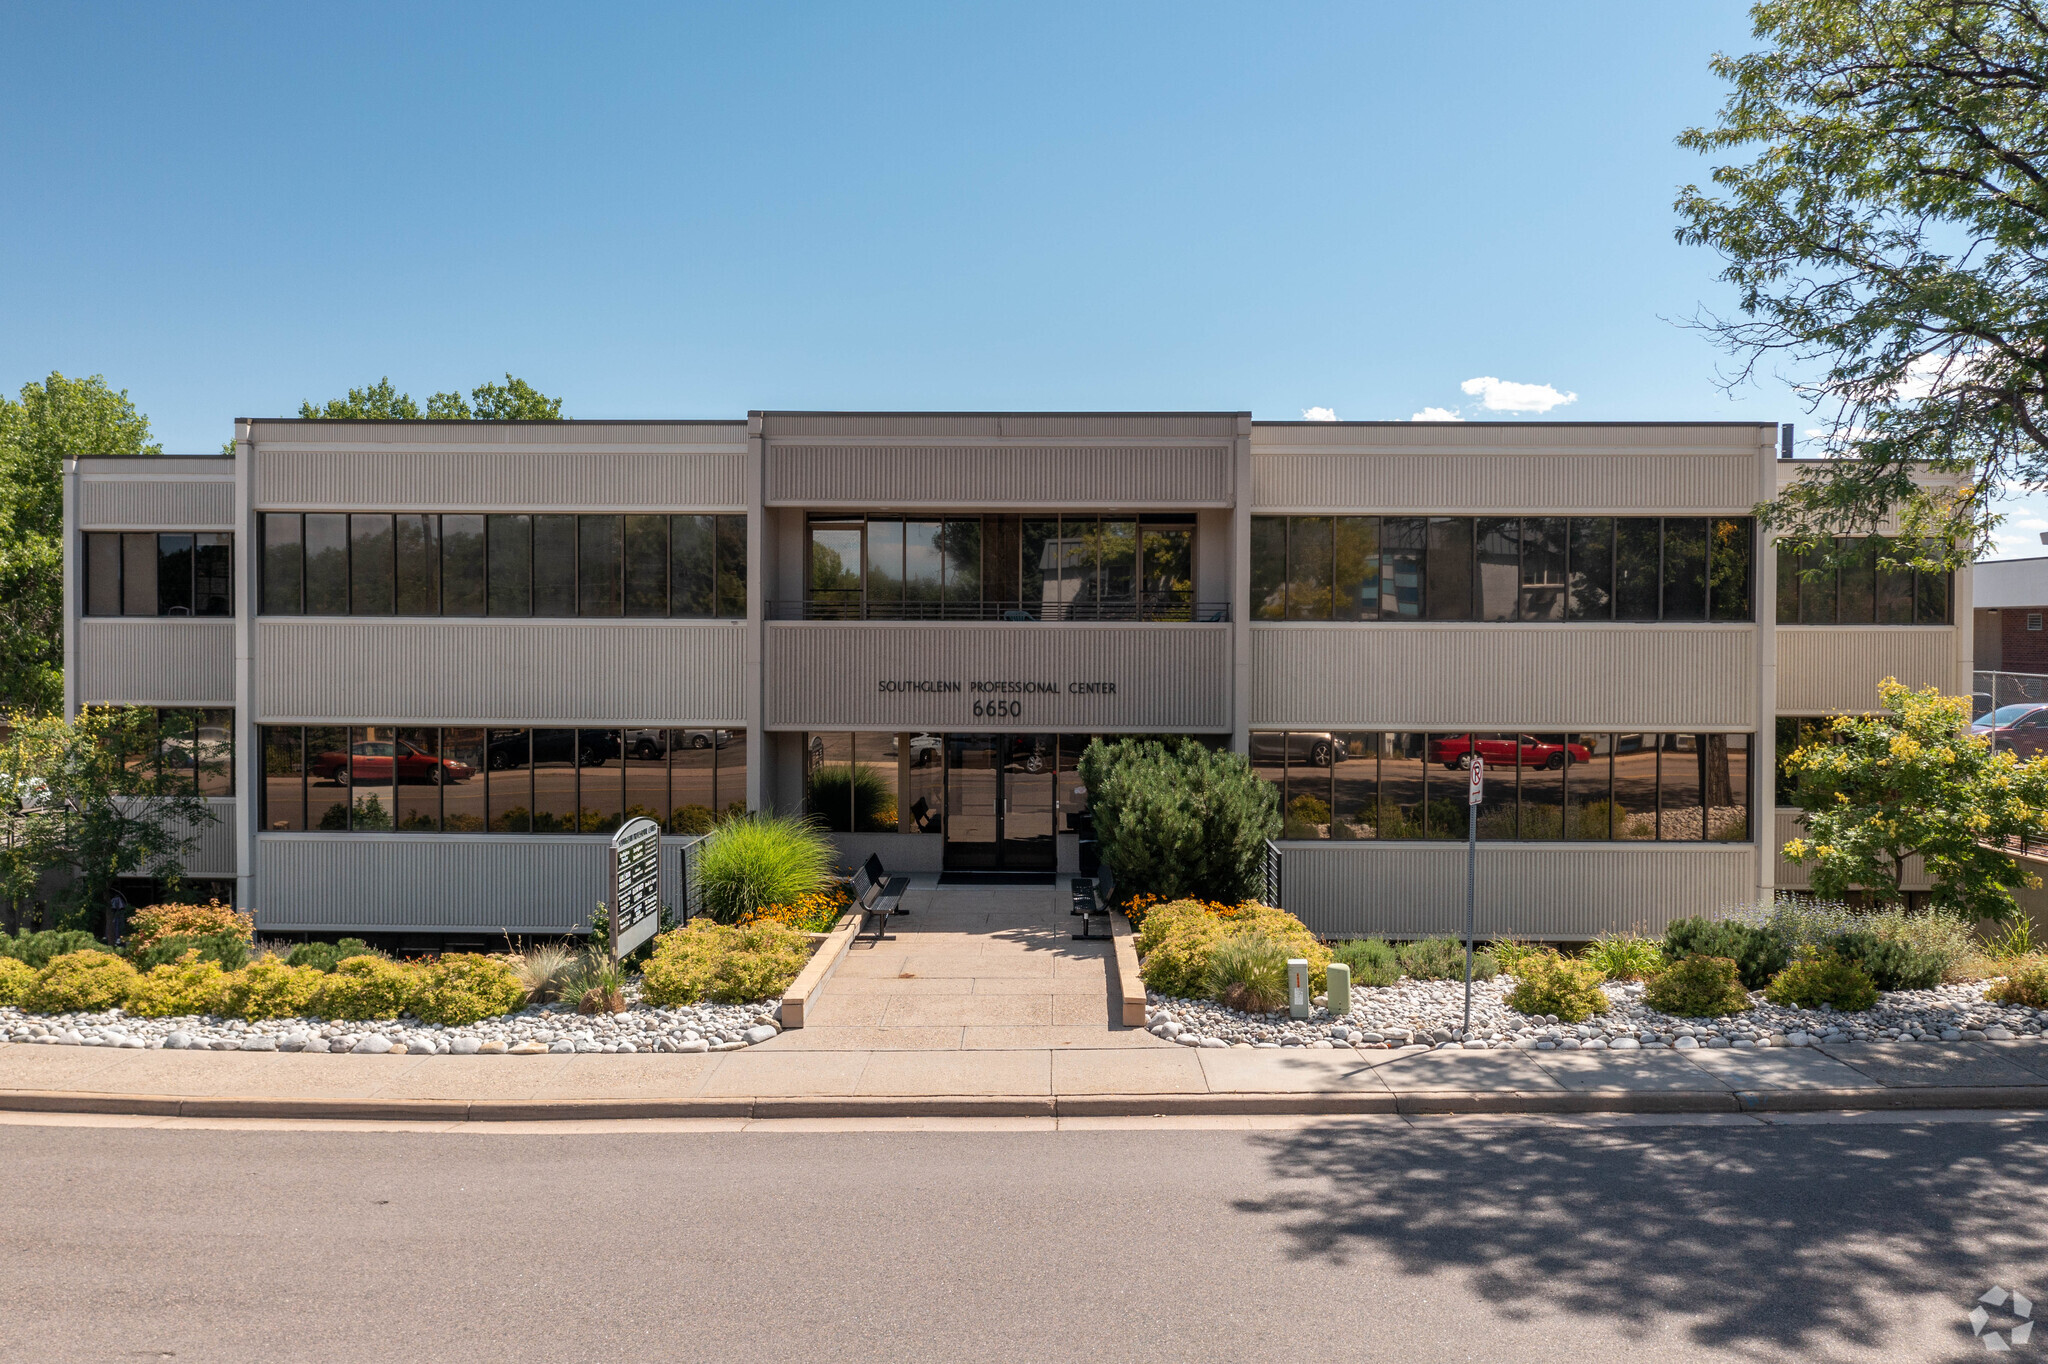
<point x="284" y="564"/>
<point x="1857" y="599"/>
<point x="370" y="572"/>
<point x="835" y="566"/>
<point x="462" y="565"/>
<point x="1816" y="589"/>
<point x="691" y="565"/>
<point x="923" y="564"/>
<point x="554" y="565"/>
<point x="1448" y="564"/>
<point x="646" y="566"/>
<point x="284" y="777"/>
<point x="1309" y="568"/>
<point x="1167" y="564"/>
<point x="1635" y="568"/>
<point x="465" y="754"/>
<point x="174" y="575"/>
<point x="1589" y="571"/>
<point x="1499" y="568"/>
<point x="326" y="564"/>
<point x="1269" y="566"/>
<point x="1732" y="553"/>
<point x="102" y="574"/>
<point x="600" y="781"/>
<point x="138" y="575"/>
<point x="1401" y="548"/>
<point x="600" y="565"/>
<point x="511" y="568"/>
<point x="508" y="757"/>
<point x="1543" y="568"/>
<point x="1894" y="587"/>
<point x="1931" y="598"/>
<point x="732" y="567"/>
<point x="213" y="574"/>
<point x="1685" y="569"/>
<point x="419" y="565"/>
<point x="962" y="546"/>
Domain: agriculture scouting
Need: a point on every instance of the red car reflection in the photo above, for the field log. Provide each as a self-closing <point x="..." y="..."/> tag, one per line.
<point x="376" y="761"/>
<point x="1455" y="750"/>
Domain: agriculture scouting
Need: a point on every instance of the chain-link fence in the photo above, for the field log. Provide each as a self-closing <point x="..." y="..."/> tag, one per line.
<point x="2013" y="708"/>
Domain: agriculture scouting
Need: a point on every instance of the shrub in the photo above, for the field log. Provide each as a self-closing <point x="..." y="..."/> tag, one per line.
<point x="724" y="964"/>
<point x="1698" y="987"/>
<point x="2025" y="982"/>
<point x="15" y="976"/>
<point x="1372" y="961"/>
<point x="814" y="913"/>
<point x="1182" y="821"/>
<point x="543" y="972"/>
<point x="230" y="951"/>
<point x="367" y="987"/>
<point x="595" y="983"/>
<point x="1890" y="964"/>
<point x="325" y="956"/>
<point x="1309" y="810"/>
<point x="1759" y="953"/>
<point x="147" y="925"/>
<point x="462" y="987"/>
<point x="270" y="988"/>
<point x="1550" y="984"/>
<point x="36" y="949"/>
<point x="691" y="819"/>
<point x="1175" y="945"/>
<point x="1819" y="978"/>
<point x="761" y="860"/>
<point x="1247" y="972"/>
<point x="79" y="982"/>
<point x="1511" y="955"/>
<point x="855" y="793"/>
<point x="1623" y="956"/>
<point x="188" y="985"/>
<point x="1932" y="933"/>
<point x="1444" y="959"/>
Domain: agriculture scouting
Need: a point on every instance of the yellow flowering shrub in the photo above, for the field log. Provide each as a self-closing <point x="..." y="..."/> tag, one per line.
<point x="79" y="982"/>
<point x="14" y="979"/>
<point x="1176" y="940"/>
<point x="725" y="964"/>
<point x="178" y="989"/>
<point x="367" y="987"/>
<point x="462" y="987"/>
<point x="268" y="988"/>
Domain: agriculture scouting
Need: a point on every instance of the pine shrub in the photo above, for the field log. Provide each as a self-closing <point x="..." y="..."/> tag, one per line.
<point x="1371" y="960"/>
<point x="15" y="977"/>
<point x="1890" y="964"/>
<point x="270" y="988"/>
<point x="183" y="987"/>
<point x="1550" y="984"/>
<point x="325" y="956"/>
<point x="463" y="987"/>
<point x="1819" y="978"/>
<point x="1181" y="822"/>
<point x="229" y="951"/>
<point x="1247" y="972"/>
<point x="1698" y="987"/>
<point x="367" y="987"/>
<point x="79" y="982"/>
<point x="1758" y="953"/>
<point x="36" y="949"/>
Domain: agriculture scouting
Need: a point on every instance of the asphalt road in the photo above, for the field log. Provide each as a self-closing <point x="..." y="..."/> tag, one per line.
<point x="1470" y="1239"/>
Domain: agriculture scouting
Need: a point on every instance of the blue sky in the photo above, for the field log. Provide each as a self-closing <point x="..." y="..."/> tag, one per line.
<point x="688" y="211"/>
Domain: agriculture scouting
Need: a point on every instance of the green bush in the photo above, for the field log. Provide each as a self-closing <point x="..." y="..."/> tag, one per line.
<point x="183" y="987"/>
<point x="1372" y="961"/>
<point x="2025" y="982"/>
<point x="691" y="819"/>
<point x="1174" y="947"/>
<point x="1181" y="822"/>
<point x="367" y="987"/>
<point x="854" y="792"/>
<point x="1698" y="987"/>
<point x="1309" y="810"/>
<point x="79" y="982"/>
<point x="724" y="964"/>
<point x="761" y="860"/>
<point x="1757" y="952"/>
<point x="15" y="977"/>
<point x="325" y="956"/>
<point x="270" y="988"/>
<point x="36" y="949"/>
<point x="1819" y="978"/>
<point x="1444" y="959"/>
<point x="1890" y="964"/>
<point x="1550" y="984"/>
<point x="462" y="987"/>
<point x="230" y="951"/>
<point x="1247" y="972"/>
<point x="174" y="919"/>
<point x="1624" y="956"/>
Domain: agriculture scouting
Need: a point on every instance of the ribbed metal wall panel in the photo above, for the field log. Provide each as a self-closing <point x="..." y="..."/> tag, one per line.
<point x="829" y="675"/>
<point x="1562" y="677"/>
<point x="215" y="855"/>
<point x="351" y="479"/>
<point x="1823" y="668"/>
<point x="423" y="883"/>
<point x="980" y="426"/>
<point x="130" y="502"/>
<point x="1789" y="825"/>
<point x="155" y="661"/>
<point x="973" y="477"/>
<point x="1541" y="891"/>
<point x="536" y="672"/>
<point x="1468" y="483"/>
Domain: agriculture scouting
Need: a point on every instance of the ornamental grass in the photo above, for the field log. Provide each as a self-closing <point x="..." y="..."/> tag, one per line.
<point x="762" y="859"/>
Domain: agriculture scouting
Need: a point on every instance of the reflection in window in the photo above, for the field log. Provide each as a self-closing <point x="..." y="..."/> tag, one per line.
<point x="418" y="553"/>
<point x="1851" y="587"/>
<point x="462" y="566"/>
<point x="284" y="564"/>
<point x="600" y="565"/>
<point x="370" y="565"/>
<point x="142" y="573"/>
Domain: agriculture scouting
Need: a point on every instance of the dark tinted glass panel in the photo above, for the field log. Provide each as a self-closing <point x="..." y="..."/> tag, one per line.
<point x="1119" y="557"/>
<point x="1354" y="784"/>
<point x="1894" y="586"/>
<point x="1269" y="762"/>
<point x="138" y="574"/>
<point x="829" y="787"/>
<point x="1588" y="788"/>
<point x="370" y="572"/>
<point x="877" y="810"/>
<point x="418" y="552"/>
<point x="645" y="765"/>
<point x="1930" y="591"/>
<point x="214" y="752"/>
<point x="1309" y="568"/>
<point x="1038" y="564"/>
<point x="1269" y="567"/>
<point x="600" y="565"/>
<point x="416" y="765"/>
<point x="923" y="561"/>
<point x="1680" y="818"/>
<point x="1443" y="815"/>
<point x="1730" y="569"/>
<point x="1166" y="564"/>
<point x="1817" y="589"/>
<point x="962" y="544"/>
<point x="554" y="565"/>
<point x="462" y="566"/>
<point x="646" y="565"/>
<point x="326" y="564"/>
<point x="176" y="748"/>
<point x="174" y="575"/>
<point x="465" y="759"/>
<point x="693" y="554"/>
<point x="1543" y="568"/>
<point x="732" y="772"/>
<point x="1788" y="585"/>
<point x="835" y="566"/>
<point x="1544" y="760"/>
<point x="1685" y="568"/>
<point x="1590" y="569"/>
<point x="1858" y="599"/>
<point x="1724" y="778"/>
<point x="1305" y="803"/>
<point x="213" y="575"/>
<point x="1499" y="541"/>
<point x="1635" y="568"/>
<point x="372" y="771"/>
<point x="554" y="781"/>
<point x="1356" y="587"/>
<point x="508" y="756"/>
<point x="511" y="556"/>
<point x="1404" y="772"/>
<point x="999" y="550"/>
<point x="732" y="567"/>
<point x="1448" y="564"/>
<point x="693" y="792"/>
<point x="1635" y="786"/>
<point x="1499" y="797"/>
<point x="284" y="777"/>
<point x="1401" y="548"/>
<point x="600" y="781"/>
<point x="102" y="574"/>
<point x="284" y="564"/>
<point x="327" y="776"/>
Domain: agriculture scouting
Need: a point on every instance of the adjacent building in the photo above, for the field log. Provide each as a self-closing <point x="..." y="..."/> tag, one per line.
<point x="439" y="661"/>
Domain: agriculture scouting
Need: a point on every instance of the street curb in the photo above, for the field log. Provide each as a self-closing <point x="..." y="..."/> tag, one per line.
<point x="1330" y="1103"/>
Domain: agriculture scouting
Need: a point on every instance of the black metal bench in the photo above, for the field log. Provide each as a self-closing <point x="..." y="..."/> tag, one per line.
<point x="1091" y="902"/>
<point x="878" y="895"/>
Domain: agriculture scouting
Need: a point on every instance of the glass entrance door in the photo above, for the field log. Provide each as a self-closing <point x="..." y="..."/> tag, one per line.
<point x="1028" y="814"/>
<point x="1000" y="808"/>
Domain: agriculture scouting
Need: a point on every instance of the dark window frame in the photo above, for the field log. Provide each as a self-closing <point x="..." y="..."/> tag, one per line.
<point x="87" y="539"/>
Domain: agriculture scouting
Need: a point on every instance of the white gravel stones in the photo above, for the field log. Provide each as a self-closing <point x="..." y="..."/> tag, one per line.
<point x="759" y="1033"/>
<point x="375" y="1045"/>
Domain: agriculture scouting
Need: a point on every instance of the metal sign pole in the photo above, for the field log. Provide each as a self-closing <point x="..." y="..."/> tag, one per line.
<point x="1472" y="798"/>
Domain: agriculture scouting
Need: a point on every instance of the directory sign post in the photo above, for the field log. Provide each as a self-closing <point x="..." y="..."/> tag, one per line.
<point x="636" y="885"/>
<point x="1474" y="794"/>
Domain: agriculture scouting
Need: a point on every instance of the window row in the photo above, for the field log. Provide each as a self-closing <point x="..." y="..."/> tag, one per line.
<point x="917" y="783"/>
<point x="1685" y="788"/>
<point x="1048" y="567"/>
<point x="472" y="780"/>
<point x="1501" y="568"/>
<point x="1855" y="590"/>
<point x="196" y="748"/>
<point x="513" y="564"/>
<point x="153" y="573"/>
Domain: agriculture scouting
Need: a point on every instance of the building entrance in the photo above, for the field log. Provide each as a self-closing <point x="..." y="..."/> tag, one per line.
<point x="1001" y="811"/>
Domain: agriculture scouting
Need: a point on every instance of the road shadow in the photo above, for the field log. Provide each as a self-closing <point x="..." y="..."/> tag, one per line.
<point x="1768" y="1240"/>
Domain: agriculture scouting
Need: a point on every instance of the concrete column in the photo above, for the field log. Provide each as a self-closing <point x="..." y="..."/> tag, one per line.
<point x="248" y="746"/>
<point x="73" y="600"/>
<point x="1763" y="762"/>
<point x="1241" y="587"/>
<point x="758" y="571"/>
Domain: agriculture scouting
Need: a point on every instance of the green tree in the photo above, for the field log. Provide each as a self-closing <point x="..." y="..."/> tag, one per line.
<point x="1911" y="781"/>
<point x="1888" y="244"/>
<point x="100" y="806"/>
<point x="513" y="400"/>
<point x="54" y="420"/>
<point x="1180" y="822"/>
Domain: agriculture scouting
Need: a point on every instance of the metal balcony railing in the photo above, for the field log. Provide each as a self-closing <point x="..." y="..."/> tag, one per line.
<point x="1153" y="607"/>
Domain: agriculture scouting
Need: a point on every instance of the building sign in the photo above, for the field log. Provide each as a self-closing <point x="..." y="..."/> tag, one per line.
<point x="994" y="699"/>
<point x="636" y="885"/>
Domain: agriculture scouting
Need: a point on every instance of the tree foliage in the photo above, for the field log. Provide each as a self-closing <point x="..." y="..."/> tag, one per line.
<point x="1888" y="244"/>
<point x="513" y="400"/>
<point x="55" y="420"/>
<point x="1910" y="781"/>
<point x="1184" y="822"/>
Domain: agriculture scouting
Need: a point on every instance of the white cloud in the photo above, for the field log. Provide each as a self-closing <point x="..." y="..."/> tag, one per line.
<point x="1436" y="414"/>
<point x="1502" y="395"/>
<point x="1319" y="414"/>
